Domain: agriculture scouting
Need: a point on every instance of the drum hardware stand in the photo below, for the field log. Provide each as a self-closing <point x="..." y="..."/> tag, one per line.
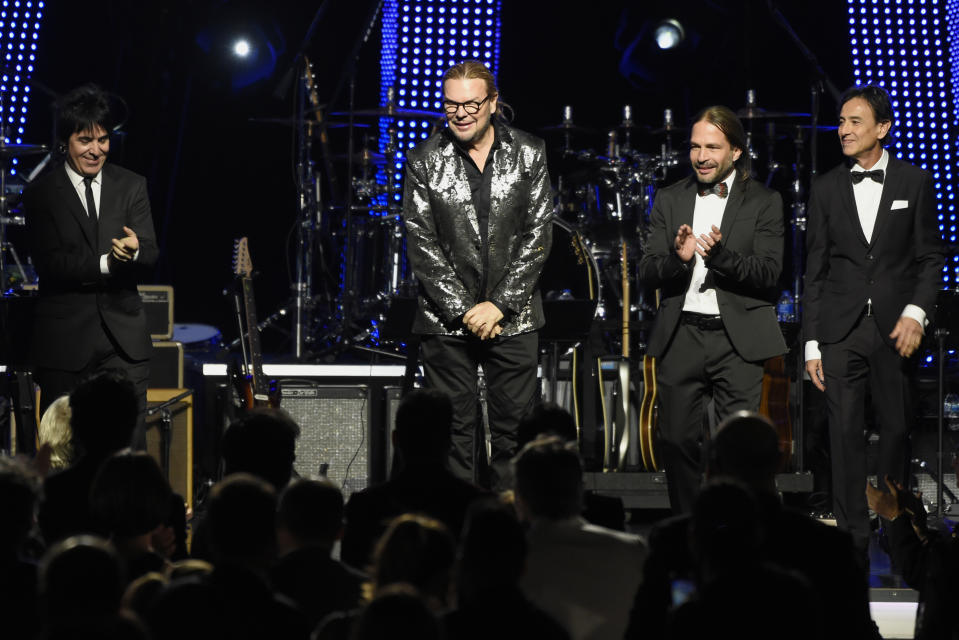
<point x="946" y="307"/>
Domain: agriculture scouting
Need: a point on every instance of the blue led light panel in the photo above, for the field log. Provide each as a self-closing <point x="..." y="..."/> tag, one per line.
<point x="19" y="31"/>
<point x="421" y="40"/>
<point x="905" y="46"/>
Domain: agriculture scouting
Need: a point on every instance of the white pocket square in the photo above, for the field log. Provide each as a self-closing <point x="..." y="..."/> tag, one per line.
<point x="899" y="204"/>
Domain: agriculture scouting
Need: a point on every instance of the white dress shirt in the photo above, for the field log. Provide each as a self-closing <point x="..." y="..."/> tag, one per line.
<point x="708" y="211"/>
<point x="868" y="194"/>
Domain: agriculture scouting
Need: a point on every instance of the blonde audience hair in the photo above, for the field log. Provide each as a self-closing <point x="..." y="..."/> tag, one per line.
<point x="56" y="431"/>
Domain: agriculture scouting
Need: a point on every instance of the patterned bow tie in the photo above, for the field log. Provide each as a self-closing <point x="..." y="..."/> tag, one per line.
<point x="719" y="188"/>
<point x="876" y="174"/>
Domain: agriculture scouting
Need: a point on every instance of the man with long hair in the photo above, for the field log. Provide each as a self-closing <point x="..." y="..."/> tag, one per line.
<point x="715" y="250"/>
<point x="477" y="208"/>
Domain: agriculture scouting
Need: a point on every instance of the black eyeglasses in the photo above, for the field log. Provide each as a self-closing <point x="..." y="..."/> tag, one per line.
<point x="470" y="107"/>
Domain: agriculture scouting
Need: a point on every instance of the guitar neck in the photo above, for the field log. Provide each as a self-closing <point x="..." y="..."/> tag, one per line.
<point x="258" y="382"/>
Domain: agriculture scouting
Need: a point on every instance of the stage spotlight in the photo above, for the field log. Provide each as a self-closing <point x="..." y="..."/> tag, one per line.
<point x="241" y="48"/>
<point x="669" y="34"/>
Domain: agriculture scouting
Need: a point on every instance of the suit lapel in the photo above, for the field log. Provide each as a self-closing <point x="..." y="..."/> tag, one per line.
<point x="847" y="201"/>
<point x="109" y="206"/>
<point x="885" y="201"/>
<point x="687" y="206"/>
<point x="68" y="194"/>
<point x="460" y="185"/>
<point x="734" y="205"/>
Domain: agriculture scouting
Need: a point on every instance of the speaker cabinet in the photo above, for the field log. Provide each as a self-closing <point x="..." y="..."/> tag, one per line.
<point x="166" y="365"/>
<point x="158" y="305"/>
<point x="335" y="431"/>
<point x="170" y="438"/>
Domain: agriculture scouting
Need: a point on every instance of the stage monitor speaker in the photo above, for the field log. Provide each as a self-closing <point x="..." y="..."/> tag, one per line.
<point x="335" y="431"/>
<point x="179" y="467"/>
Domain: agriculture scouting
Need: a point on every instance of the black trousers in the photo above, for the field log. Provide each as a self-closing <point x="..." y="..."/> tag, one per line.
<point x="859" y="361"/>
<point x="107" y="355"/>
<point x="509" y="364"/>
<point x="697" y="362"/>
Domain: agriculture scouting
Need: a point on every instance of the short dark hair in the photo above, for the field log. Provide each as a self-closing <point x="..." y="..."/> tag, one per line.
<point x="311" y="510"/>
<point x="130" y="496"/>
<point x="242" y="518"/>
<point x="104" y="412"/>
<point x="726" y="120"/>
<point x="84" y="108"/>
<point x="878" y="100"/>
<point x="547" y="419"/>
<point x="549" y="478"/>
<point x="423" y="422"/>
<point x="746" y="447"/>
<point x="261" y="442"/>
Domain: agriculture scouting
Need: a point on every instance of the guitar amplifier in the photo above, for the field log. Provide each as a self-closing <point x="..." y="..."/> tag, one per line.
<point x="166" y="365"/>
<point x="158" y="305"/>
<point x="171" y="443"/>
<point x="335" y="431"/>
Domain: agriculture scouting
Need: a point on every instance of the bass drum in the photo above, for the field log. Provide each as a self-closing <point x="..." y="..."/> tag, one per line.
<point x="569" y="285"/>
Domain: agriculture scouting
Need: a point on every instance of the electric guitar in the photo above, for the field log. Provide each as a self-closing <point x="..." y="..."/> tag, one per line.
<point x="255" y="390"/>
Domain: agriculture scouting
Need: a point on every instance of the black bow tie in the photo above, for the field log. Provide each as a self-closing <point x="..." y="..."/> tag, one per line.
<point x="720" y="189"/>
<point x="876" y="174"/>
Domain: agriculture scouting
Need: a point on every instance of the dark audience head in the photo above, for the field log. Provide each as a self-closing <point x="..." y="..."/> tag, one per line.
<point x="549" y="479"/>
<point x="746" y="447"/>
<point x="725" y="532"/>
<point x="492" y="552"/>
<point x="398" y="611"/>
<point x="130" y="496"/>
<point x="82" y="109"/>
<point x="416" y="550"/>
<point x="547" y="419"/>
<point x="310" y="514"/>
<point x="262" y="442"/>
<point x="103" y="413"/>
<point x="423" y="422"/>
<point x="19" y="490"/>
<point x="80" y="579"/>
<point x="241" y="521"/>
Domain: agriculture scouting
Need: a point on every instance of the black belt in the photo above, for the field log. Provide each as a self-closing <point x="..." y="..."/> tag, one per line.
<point x="702" y="321"/>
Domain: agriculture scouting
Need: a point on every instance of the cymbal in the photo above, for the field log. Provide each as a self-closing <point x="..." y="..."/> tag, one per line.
<point x="392" y="112"/>
<point x="293" y="122"/>
<point x="17" y="150"/>
<point x="569" y="127"/>
<point x="755" y="113"/>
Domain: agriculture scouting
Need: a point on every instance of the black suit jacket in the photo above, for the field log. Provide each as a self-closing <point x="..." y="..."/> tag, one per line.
<point x="900" y="265"/>
<point x="66" y="248"/>
<point x="745" y="271"/>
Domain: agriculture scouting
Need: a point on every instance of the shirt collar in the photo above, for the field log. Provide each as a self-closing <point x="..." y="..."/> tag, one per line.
<point x="882" y="163"/>
<point x="76" y="179"/>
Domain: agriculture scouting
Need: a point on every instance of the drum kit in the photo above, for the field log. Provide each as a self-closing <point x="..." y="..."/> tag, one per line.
<point x="603" y="199"/>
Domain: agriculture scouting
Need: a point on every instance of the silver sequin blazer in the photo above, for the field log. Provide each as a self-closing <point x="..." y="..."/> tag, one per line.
<point x="443" y="239"/>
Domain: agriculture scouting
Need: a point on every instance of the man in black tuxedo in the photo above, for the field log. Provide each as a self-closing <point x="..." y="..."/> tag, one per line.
<point x="715" y="250"/>
<point x="873" y="264"/>
<point x="92" y="240"/>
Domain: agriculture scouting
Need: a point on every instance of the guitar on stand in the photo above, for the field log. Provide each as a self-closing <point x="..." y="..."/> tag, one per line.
<point x="253" y="388"/>
<point x="621" y="420"/>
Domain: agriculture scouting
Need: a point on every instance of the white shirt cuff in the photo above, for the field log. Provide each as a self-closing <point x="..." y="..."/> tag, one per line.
<point x="812" y="351"/>
<point x="916" y="313"/>
<point x="104" y="265"/>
